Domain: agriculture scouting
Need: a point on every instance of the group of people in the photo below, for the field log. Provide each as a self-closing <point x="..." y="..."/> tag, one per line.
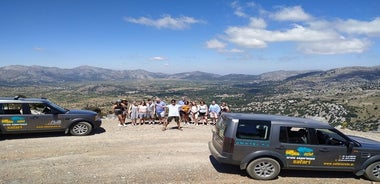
<point x="184" y="111"/>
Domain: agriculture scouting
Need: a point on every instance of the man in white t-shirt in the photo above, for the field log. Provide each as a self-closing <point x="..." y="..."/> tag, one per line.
<point x="173" y="114"/>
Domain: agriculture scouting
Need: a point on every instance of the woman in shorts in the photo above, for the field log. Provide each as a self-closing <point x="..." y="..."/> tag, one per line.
<point x="143" y="111"/>
<point x="203" y="109"/>
<point x="118" y="109"/>
<point x="133" y="111"/>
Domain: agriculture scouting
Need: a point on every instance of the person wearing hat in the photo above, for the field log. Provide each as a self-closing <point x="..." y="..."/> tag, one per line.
<point x="173" y="113"/>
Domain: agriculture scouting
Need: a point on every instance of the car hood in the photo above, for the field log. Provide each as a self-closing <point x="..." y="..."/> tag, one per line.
<point x="366" y="143"/>
<point x="74" y="111"/>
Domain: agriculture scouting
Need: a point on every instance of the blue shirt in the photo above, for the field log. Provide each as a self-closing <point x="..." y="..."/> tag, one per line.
<point x="214" y="108"/>
<point x="160" y="107"/>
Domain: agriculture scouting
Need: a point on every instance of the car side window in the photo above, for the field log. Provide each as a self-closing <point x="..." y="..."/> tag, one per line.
<point x="39" y="108"/>
<point x="294" y="135"/>
<point x="253" y="129"/>
<point x="329" y="137"/>
<point x="11" y="108"/>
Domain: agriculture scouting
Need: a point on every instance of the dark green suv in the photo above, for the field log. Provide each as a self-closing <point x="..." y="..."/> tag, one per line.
<point x="264" y="144"/>
<point x="26" y="115"/>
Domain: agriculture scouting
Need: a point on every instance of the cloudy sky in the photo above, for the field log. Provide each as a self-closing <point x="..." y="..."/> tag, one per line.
<point x="172" y="36"/>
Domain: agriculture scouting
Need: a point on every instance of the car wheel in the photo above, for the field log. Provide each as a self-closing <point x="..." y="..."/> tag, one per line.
<point x="263" y="169"/>
<point x="372" y="172"/>
<point x="81" y="128"/>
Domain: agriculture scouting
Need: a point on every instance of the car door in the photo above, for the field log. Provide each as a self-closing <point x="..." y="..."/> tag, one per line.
<point x="331" y="150"/>
<point x="295" y="144"/>
<point x="12" y="119"/>
<point x="42" y="118"/>
<point x="322" y="149"/>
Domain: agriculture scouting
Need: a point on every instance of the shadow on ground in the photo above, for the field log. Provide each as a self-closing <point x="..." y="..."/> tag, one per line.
<point x="44" y="134"/>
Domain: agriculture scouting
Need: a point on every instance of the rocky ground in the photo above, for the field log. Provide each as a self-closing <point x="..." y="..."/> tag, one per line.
<point x="133" y="154"/>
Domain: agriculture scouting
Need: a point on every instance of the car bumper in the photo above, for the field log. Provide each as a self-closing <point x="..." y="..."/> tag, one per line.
<point x="219" y="157"/>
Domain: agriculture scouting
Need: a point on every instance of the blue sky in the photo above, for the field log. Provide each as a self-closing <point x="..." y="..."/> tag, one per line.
<point x="173" y="36"/>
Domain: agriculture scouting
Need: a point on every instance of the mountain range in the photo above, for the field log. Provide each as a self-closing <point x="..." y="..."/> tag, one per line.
<point x="26" y="75"/>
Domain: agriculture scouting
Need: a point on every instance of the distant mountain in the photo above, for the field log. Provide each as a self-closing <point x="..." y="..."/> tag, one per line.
<point x="346" y="77"/>
<point x="281" y="75"/>
<point x="26" y="75"/>
<point x="340" y="74"/>
<point x="197" y="75"/>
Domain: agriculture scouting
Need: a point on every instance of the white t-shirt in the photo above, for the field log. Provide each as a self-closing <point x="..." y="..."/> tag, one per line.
<point x="173" y="109"/>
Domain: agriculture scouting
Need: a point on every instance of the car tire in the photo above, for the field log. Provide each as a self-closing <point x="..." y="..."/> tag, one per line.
<point x="81" y="128"/>
<point x="263" y="169"/>
<point x="372" y="172"/>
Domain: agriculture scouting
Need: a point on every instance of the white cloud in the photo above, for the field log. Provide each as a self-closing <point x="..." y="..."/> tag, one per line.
<point x="166" y="21"/>
<point x="215" y="44"/>
<point x="258" y="38"/>
<point x="351" y="26"/>
<point x="235" y="51"/>
<point x="257" y="23"/>
<point x="295" y="13"/>
<point x="158" y="58"/>
<point x="221" y="47"/>
<point x="238" y="10"/>
<point x="329" y="47"/>
<point x="312" y="35"/>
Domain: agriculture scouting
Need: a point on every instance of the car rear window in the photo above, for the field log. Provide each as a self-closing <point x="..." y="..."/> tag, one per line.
<point x="221" y="127"/>
<point x="253" y="129"/>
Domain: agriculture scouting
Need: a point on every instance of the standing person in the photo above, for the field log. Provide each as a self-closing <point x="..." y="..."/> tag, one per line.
<point x="184" y="112"/>
<point x="194" y="112"/>
<point x="118" y="109"/>
<point x="182" y="101"/>
<point x="143" y="111"/>
<point x="181" y="113"/>
<point x="133" y="111"/>
<point x="214" y="110"/>
<point x="224" y="107"/>
<point x="203" y="110"/>
<point x="125" y="111"/>
<point x="160" y="110"/>
<point x="151" y="111"/>
<point x="173" y="114"/>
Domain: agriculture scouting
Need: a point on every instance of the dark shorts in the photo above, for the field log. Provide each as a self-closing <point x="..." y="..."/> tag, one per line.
<point x="118" y="112"/>
<point x="202" y="114"/>
<point x="176" y="119"/>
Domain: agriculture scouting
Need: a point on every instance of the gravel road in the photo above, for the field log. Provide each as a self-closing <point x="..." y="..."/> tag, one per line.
<point x="133" y="154"/>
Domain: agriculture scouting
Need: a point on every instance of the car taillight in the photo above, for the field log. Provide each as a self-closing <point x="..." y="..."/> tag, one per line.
<point x="228" y="144"/>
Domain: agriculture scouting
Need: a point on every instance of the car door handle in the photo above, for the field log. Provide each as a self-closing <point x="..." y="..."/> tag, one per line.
<point x="324" y="150"/>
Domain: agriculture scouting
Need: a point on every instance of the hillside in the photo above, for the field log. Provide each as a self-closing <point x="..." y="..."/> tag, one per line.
<point x="349" y="96"/>
<point x="23" y="75"/>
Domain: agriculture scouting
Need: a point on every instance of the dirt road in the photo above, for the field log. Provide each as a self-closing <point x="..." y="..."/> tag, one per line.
<point x="132" y="154"/>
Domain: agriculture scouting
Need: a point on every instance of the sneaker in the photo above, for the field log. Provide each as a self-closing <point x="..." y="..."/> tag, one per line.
<point x="125" y="125"/>
<point x="119" y="125"/>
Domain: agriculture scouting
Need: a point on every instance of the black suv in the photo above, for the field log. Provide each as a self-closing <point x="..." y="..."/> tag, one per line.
<point x="264" y="144"/>
<point x="25" y="115"/>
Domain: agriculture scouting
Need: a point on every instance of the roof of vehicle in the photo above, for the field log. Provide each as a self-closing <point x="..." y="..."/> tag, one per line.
<point x="17" y="99"/>
<point x="278" y="119"/>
